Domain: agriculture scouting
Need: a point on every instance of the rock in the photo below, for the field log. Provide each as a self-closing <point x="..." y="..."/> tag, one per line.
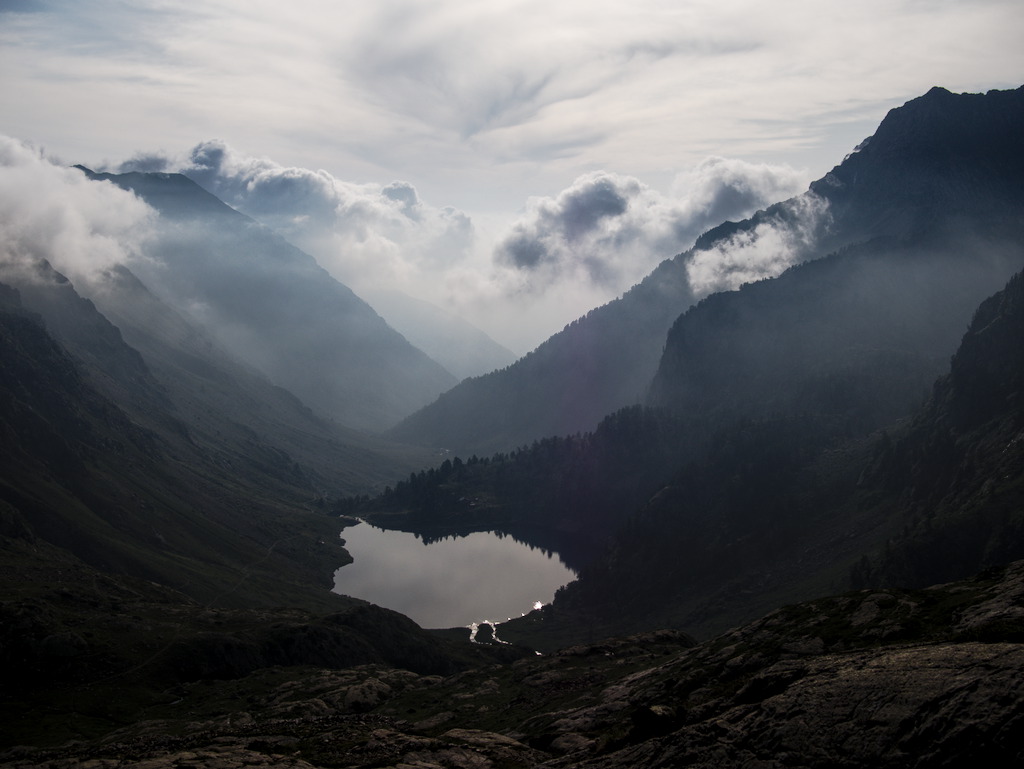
<point x="366" y="696"/>
<point x="571" y="742"/>
<point x="482" y="739"/>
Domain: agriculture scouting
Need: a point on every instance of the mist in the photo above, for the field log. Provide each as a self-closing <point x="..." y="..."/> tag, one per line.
<point x="775" y="242"/>
<point x="519" y="278"/>
<point x="50" y="212"/>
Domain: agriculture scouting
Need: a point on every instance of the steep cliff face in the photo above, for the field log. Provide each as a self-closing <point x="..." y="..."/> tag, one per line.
<point x="958" y="466"/>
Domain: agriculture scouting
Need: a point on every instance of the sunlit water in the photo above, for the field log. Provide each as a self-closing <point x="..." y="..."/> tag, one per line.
<point x="451" y="583"/>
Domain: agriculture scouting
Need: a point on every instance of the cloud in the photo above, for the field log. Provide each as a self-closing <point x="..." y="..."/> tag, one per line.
<point x="56" y="213"/>
<point x="369" y="236"/>
<point x="611" y="230"/>
<point x="520" y="281"/>
<point x="775" y="243"/>
<point x="487" y="99"/>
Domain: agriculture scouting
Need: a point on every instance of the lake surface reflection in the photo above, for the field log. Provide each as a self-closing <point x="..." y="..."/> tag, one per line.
<point x="451" y="582"/>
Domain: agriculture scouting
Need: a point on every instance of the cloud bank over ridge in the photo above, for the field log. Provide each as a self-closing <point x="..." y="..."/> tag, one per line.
<point x="520" y="281"/>
<point x="55" y="213"/>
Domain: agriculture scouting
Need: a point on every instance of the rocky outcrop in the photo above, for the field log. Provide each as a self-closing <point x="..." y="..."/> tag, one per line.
<point x="874" y="678"/>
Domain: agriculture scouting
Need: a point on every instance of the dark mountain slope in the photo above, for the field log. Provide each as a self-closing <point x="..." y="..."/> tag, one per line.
<point x="943" y="166"/>
<point x="565" y="494"/>
<point x="858" y="336"/>
<point x="133" y="559"/>
<point x="778" y="509"/>
<point x="273" y="307"/>
<point x="594" y="366"/>
<point x="233" y="410"/>
<point x="959" y="465"/>
<point x="79" y="474"/>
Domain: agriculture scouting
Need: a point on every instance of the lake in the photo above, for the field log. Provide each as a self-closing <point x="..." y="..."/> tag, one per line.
<point x="458" y="581"/>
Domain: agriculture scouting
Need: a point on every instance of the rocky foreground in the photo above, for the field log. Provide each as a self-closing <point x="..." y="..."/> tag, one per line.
<point x="876" y="678"/>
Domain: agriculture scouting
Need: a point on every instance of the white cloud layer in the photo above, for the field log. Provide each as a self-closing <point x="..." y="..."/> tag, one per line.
<point x="610" y="230"/>
<point x="366" y="235"/>
<point x="764" y="251"/>
<point x="563" y="256"/>
<point x="55" y="213"/>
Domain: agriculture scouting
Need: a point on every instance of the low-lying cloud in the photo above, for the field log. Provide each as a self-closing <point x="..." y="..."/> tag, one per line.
<point x="369" y="236"/>
<point x="766" y="250"/>
<point x="611" y="230"/>
<point x="56" y="213"/>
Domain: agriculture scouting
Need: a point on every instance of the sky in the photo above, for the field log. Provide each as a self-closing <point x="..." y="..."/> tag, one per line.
<point x="516" y="161"/>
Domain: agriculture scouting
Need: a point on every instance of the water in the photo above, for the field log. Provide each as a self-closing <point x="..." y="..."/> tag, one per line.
<point x="454" y="582"/>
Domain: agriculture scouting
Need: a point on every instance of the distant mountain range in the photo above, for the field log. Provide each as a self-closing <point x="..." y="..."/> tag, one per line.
<point x="460" y="347"/>
<point x="274" y="308"/>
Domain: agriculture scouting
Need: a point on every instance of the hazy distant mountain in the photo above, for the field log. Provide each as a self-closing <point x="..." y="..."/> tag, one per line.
<point x="592" y="367"/>
<point x="234" y="408"/>
<point x="943" y="165"/>
<point x="186" y="383"/>
<point x="273" y="307"/>
<point x="460" y="347"/>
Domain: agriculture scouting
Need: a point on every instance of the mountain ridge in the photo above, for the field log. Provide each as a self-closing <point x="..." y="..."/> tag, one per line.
<point x="275" y="308"/>
<point x="596" y="365"/>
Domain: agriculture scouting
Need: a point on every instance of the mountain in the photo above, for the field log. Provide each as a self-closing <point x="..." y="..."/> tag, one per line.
<point x="168" y="375"/>
<point x="233" y="407"/>
<point x="274" y="308"/>
<point x="457" y="345"/>
<point x="140" y="499"/>
<point x="784" y="507"/>
<point x="858" y="336"/>
<point x="943" y="167"/>
<point x="592" y="367"/>
<point x="166" y="541"/>
<point x="959" y="463"/>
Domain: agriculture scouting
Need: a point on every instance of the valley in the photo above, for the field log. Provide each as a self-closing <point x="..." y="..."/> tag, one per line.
<point x="778" y="521"/>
